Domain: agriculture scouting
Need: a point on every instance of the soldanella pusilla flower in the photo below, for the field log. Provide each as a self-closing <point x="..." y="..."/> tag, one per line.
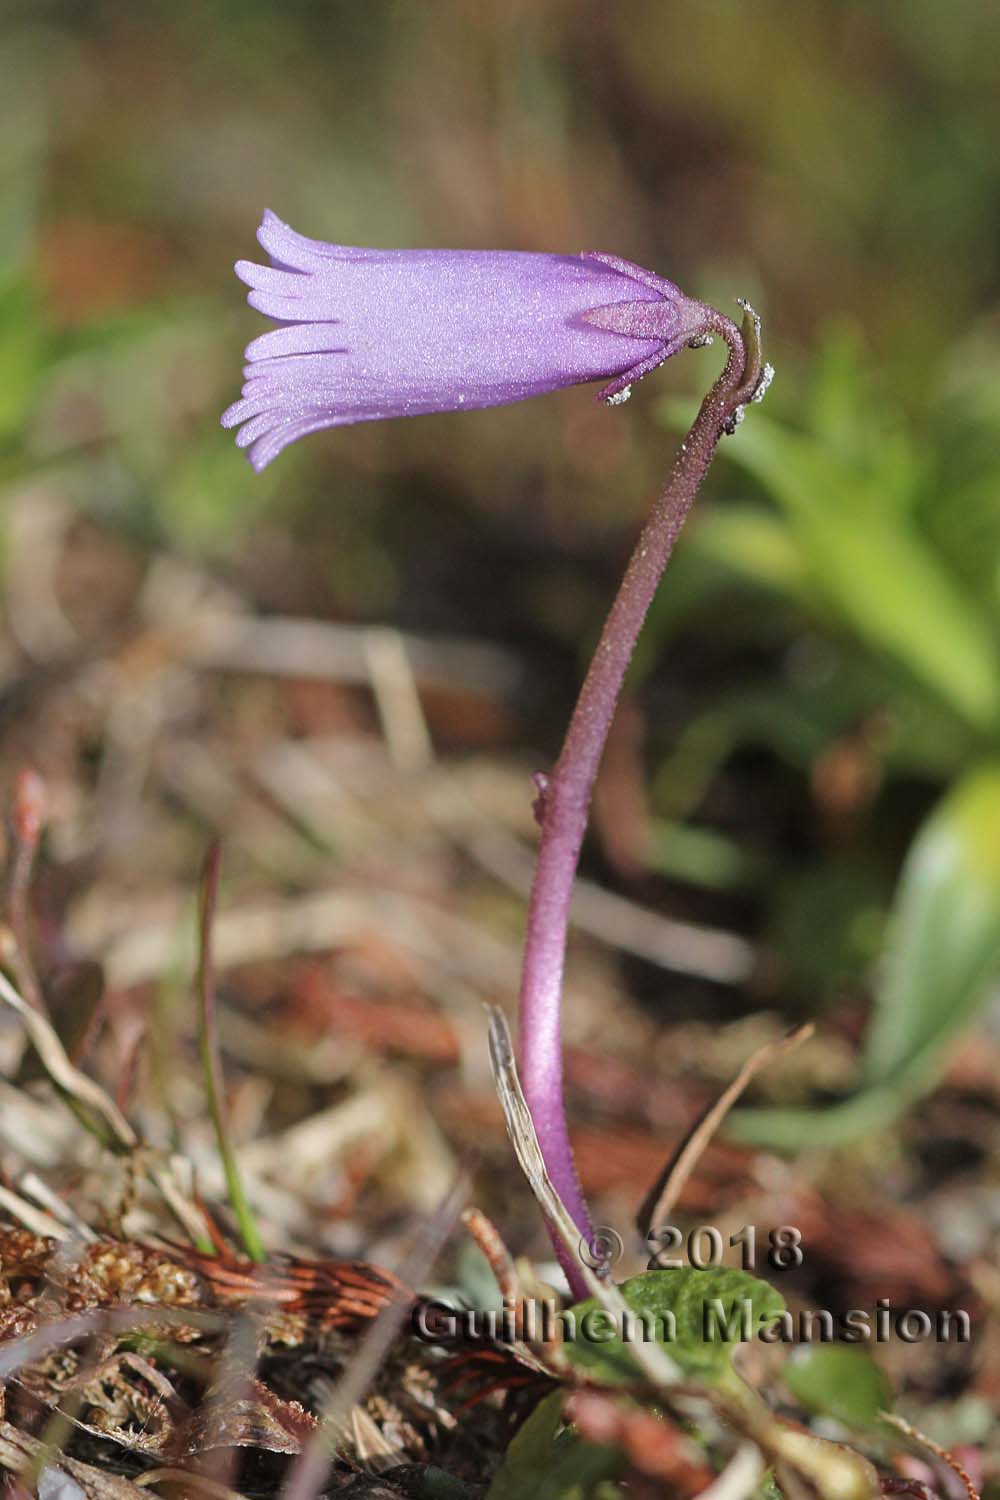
<point x="394" y="333"/>
<point x="370" y="334"/>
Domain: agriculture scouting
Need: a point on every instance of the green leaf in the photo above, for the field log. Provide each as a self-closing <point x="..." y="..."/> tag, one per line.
<point x="943" y="958"/>
<point x="539" y="1465"/>
<point x="529" y="1452"/>
<point x="700" y="1316"/>
<point x="836" y="1381"/>
<point x="944" y="950"/>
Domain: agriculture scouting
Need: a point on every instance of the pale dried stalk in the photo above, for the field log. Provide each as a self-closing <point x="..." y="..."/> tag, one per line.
<point x="659" y="1202"/>
<point x="654" y="1361"/>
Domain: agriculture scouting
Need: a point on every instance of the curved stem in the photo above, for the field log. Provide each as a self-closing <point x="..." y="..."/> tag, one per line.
<point x="565" y="801"/>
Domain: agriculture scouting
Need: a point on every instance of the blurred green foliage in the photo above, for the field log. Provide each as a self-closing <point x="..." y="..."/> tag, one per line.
<point x="839" y="1382"/>
<point x="842" y="528"/>
<point x="822" y="663"/>
<point x="544" y="1463"/>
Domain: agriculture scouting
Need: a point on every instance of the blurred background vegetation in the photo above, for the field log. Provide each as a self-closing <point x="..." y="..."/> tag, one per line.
<point x="821" y="666"/>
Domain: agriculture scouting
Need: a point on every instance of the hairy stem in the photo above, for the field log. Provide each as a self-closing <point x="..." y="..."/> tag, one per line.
<point x="565" y="801"/>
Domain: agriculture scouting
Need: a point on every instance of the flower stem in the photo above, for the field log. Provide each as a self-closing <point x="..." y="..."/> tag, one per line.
<point x="565" y="801"/>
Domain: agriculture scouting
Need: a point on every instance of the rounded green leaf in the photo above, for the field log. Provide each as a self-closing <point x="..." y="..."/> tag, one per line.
<point x="835" y="1381"/>
<point x="699" y="1317"/>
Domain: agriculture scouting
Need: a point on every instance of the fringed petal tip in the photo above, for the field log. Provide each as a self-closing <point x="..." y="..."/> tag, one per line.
<point x="272" y="412"/>
<point x="289" y="251"/>
<point x="265" y="435"/>
<point x="292" y="251"/>
<point x="285" y="247"/>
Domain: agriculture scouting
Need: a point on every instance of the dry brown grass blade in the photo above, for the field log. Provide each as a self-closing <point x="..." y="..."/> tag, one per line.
<point x="69" y="1221"/>
<point x="164" y="1175"/>
<point x="243" y="1414"/>
<point x="26" y="819"/>
<point x="63" y="1073"/>
<point x="656" y="1364"/>
<point x="398" y="700"/>
<point x="33" y="1218"/>
<point x="659" y="1202"/>
<point x="86" y="1092"/>
<point x="921" y="1440"/>
<point x="291" y="646"/>
<point x="487" y="1236"/>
